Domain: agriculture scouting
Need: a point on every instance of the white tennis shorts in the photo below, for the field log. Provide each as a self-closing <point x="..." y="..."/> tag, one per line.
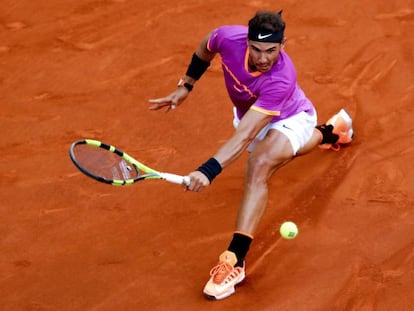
<point x="298" y="129"/>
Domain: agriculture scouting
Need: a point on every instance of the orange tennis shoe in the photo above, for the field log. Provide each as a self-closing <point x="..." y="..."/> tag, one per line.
<point x="224" y="277"/>
<point x="342" y="126"/>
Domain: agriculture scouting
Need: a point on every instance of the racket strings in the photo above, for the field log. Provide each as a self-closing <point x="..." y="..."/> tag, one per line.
<point x="104" y="163"/>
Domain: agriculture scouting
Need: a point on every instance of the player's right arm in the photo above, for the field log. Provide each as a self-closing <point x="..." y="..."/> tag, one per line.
<point x="200" y="61"/>
<point x="250" y="125"/>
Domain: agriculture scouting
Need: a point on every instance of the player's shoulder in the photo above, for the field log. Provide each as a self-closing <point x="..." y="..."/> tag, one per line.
<point x="232" y="31"/>
<point x="227" y="37"/>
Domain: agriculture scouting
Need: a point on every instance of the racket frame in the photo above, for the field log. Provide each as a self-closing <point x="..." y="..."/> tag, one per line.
<point x="150" y="172"/>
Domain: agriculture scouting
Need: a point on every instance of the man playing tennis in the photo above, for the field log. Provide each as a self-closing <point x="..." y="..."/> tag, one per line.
<point x="274" y="121"/>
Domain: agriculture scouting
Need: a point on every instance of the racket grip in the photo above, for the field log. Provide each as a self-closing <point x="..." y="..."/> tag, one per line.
<point x="176" y="179"/>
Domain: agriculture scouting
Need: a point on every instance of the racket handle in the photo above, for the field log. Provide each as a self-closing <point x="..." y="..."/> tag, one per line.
<point x="176" y="179"/>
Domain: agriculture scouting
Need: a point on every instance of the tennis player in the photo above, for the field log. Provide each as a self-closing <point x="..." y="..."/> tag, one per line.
<point x="274" y="121"/>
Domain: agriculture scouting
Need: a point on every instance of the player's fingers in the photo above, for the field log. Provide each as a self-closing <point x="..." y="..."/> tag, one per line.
<point x="159" y="100"/>
<point x="158" y="104"/>
<point x="171" y="102"/>
<point x="155" y="107"/>
<point x="195" y="188"/>
<point x="196" y="184"/>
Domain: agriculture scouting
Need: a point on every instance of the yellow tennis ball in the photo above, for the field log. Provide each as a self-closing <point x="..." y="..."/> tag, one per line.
<point x="289" y="230"/>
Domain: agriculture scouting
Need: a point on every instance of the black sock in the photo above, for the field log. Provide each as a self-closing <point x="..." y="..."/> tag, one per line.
<point x="240" y="245"/>
<point x="327" y="136"/>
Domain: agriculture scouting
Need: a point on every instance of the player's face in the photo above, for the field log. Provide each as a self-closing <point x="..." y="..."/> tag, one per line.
<point x="263" y="55"/>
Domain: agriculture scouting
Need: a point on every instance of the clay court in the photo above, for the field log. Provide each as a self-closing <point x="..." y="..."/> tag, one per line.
<point x="86" y="69"/>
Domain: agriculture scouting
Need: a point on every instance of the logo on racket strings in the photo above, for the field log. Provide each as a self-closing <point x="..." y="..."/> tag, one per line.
<point x="126" y="169"/>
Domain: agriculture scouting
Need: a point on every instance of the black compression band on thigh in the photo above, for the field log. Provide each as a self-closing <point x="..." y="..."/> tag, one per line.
<point x="211" y="169"/>
<point x="197" y="67"/>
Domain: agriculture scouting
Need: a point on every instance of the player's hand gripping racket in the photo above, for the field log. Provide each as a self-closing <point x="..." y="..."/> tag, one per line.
<point x="107" y="164"/>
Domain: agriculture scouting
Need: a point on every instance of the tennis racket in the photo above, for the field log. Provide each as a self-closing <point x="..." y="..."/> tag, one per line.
<point x="110" y="165"/>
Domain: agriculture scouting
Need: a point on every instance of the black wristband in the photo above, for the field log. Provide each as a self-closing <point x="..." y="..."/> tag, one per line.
<point x="211" y="169"/>
<point x="197" y="67"/>
<point x="187" y="85"/>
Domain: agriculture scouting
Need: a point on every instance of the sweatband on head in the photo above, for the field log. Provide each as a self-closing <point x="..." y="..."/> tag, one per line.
<point x="266" y="36"/>
<point x="197" y="67"/>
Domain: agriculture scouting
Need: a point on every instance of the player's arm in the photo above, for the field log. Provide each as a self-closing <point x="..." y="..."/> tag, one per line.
<point x="250" y="125"/>
<point x="199" y="63"/>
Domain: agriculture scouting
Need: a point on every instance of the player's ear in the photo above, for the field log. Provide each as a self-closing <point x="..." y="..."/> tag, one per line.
<point x="282" y="45"/>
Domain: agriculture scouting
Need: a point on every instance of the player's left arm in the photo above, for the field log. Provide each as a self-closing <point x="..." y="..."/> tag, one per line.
<point x="202" y="54"/>
<point x="199" y="63"/>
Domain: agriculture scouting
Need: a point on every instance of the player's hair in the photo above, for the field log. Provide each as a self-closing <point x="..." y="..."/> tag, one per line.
<point x="267" y="20"/>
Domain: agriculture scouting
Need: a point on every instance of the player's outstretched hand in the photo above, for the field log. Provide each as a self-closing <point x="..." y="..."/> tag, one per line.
<point x="171" y="101"/>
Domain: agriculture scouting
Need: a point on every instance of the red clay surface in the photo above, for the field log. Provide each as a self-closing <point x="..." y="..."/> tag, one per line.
<point x="86" y="69"/>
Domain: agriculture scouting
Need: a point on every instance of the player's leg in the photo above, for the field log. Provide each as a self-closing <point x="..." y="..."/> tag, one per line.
<point x="269" y="154"/>
<point x="314" y="141"/>
<point x="337" y="130"/>
<point x="273" y="147"/>
<point x="282" y="141"/>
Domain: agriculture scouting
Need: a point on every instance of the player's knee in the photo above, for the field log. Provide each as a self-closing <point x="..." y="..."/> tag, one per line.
<point x="260" y="168"/>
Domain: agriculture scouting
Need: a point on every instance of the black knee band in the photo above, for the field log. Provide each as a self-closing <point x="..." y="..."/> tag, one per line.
<point x="197" y="67"/>
<point x="211" y="169"/>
